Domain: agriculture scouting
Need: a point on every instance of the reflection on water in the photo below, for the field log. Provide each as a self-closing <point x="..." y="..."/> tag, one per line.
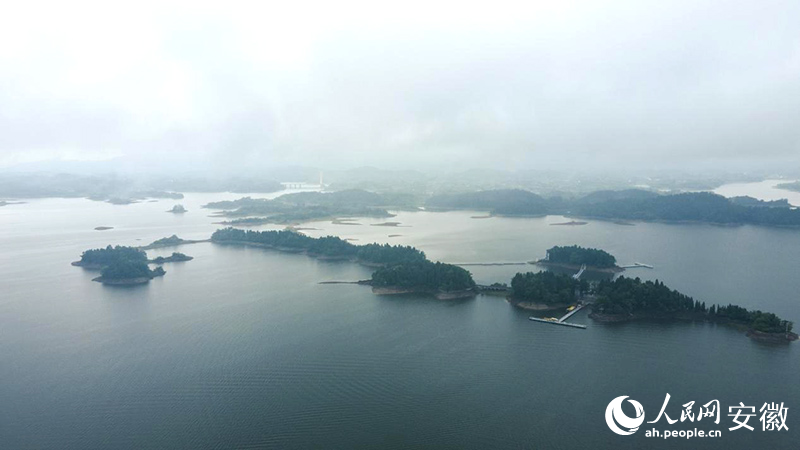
<point x="242" y="347"/>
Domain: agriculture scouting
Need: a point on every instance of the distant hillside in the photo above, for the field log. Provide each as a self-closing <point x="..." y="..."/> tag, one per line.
<point x="501" y="201"/>
<point x="305" y="206"/>
<point x="626" y="194"/>
<point x="754" y="202"/>
<point x="695" y="207"/>
<point x="630" y="204"/>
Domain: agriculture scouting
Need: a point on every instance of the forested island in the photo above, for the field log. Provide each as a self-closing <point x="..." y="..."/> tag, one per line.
<point x="177" y="209"/>
<point x="302" y="207"/>
<point x="573" y="257"/>
<point x="401" y="269"/>
<point x="119" y="265"/>
<point x="174" y="257"/>
<point x="445" y="281"/>
<point x="630" y="204"/>
<point x="171" y="241"/>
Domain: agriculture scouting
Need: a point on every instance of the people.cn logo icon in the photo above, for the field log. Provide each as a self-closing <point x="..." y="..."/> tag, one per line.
<point x="621" y="423"/>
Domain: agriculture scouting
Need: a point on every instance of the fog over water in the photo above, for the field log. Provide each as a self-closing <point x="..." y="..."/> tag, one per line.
<point x="575" y="84"/>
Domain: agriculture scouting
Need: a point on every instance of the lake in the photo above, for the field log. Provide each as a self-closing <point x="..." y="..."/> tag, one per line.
<point x="243" y="348"/>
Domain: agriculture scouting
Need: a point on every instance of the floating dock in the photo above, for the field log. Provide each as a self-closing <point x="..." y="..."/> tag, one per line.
<point x="562" y="319"/>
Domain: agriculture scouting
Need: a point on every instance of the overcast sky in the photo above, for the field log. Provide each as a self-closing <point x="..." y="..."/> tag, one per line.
<point x="454" y="84"/>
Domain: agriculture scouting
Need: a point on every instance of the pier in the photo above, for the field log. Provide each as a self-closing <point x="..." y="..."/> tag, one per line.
<point x="577" y="276"/>
<point x="561" y="321"/>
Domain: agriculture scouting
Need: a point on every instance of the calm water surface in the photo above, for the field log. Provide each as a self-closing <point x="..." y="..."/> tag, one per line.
<point x="242" y="348"/>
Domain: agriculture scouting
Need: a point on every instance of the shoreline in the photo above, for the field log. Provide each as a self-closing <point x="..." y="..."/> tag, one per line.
<point x="123" y="281"/>
<point x="533" y="306"/>
<point x="612" y="270"/>
<point x="762" y="336"/>
<point x="439" y="295"/>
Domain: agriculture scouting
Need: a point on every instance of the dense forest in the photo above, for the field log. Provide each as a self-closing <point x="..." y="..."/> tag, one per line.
<point x="575" y="255"/>
<point x="424" y="274"/>
<point x="404" y="266"/>
<point x="546" y="287"/>
<point x="126" y="270"/>
<point x="630" y="296"/>
<point x="109" y="255"/>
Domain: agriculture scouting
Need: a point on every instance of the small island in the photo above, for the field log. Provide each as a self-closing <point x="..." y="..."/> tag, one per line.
<point x="117" y="200"/>
<point x="177" y="209"/>
<point x="175" y="257"/>
<point x="171" y="241"/>
<point x="573" y="257"/>
<point x="119" y="265"/>
<point x="103" y="228"/>
<point x="572" y="223"/>
<point x="386" y="224"/>
<point x="444" y="281"/>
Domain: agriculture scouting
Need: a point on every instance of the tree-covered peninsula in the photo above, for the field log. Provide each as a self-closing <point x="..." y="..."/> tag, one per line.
<point x="119" y="265"/>
<point x="401" y="269"/>
<point x="575" y="256"/>
<point x="626" y="299"/>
